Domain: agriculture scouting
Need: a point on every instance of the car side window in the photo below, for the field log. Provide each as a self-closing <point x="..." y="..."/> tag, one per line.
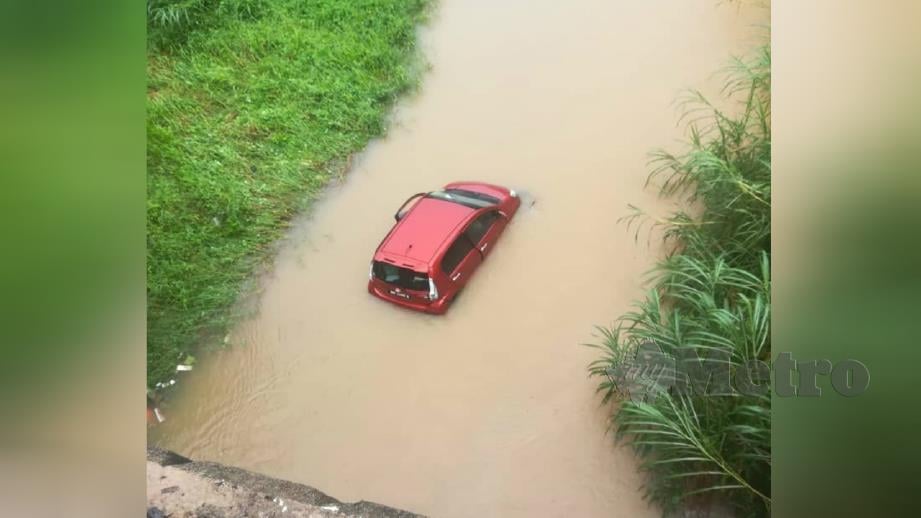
<point x="456" y="254"/>
<point x="481" y="226"/>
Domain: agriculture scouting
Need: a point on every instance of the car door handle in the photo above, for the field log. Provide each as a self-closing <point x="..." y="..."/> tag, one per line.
<point x="456" y="276"/>
<point x="483" y="248"/>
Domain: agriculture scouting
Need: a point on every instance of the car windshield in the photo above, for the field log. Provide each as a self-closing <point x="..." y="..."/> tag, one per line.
<point x="400" y="277"/>
<point x="471" y="199"/>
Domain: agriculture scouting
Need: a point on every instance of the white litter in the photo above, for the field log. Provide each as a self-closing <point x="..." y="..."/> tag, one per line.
<point x="158" y="415"/>
<point x="183" y="368"/>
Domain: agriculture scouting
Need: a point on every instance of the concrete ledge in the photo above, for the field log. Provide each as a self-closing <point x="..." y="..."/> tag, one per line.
<point x="180" y="487"/>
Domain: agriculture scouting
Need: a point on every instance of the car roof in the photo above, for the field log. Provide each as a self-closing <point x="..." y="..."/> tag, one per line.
<point x="422" y="231"/>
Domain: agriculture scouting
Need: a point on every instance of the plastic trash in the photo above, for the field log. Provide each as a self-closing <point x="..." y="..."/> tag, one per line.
<point x="183" y="368"/>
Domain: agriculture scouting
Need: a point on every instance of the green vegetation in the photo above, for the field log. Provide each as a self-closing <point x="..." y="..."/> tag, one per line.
<point x="709" y="297"/>
<point x="252" y="107"/>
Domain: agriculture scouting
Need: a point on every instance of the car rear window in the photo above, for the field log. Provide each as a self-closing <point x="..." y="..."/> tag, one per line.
<point x="474" y="200"/>
<point x="401" y="277"/>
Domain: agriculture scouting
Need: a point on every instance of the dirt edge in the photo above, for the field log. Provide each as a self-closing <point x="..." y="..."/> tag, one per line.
<point x="179" y="486"/>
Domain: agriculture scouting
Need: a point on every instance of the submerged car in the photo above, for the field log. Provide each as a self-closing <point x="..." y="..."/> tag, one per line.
<point x="438" y="241"/>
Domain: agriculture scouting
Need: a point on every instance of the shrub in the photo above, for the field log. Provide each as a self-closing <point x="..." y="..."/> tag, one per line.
<point x="709" y="302"/>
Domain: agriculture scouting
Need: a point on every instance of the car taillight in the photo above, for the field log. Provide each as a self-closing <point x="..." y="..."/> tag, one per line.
<point x="433" y="291"/>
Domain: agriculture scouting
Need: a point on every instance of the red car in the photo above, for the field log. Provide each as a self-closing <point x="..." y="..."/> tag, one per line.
<point x="437" y="243"/>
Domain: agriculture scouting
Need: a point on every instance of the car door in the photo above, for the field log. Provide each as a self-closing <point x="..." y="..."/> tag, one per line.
<point x="485" y="230"/>
<point x="459" y="262"/>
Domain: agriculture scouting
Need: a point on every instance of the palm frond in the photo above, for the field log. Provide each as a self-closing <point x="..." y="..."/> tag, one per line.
<point x="709" y="303"/>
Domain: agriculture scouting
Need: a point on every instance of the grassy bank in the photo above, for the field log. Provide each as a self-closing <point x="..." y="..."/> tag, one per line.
<point x="252" y="107"/>
<point x="709" y="303"/>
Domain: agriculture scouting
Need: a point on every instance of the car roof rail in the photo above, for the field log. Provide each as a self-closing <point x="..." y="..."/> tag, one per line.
<point x="396" y="215"/>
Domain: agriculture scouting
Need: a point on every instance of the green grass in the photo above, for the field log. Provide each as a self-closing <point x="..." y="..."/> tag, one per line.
<point x="709" y="297"/>
<point x="252" y="107"/>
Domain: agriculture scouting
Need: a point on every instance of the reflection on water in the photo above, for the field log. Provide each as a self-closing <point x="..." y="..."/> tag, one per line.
<point x="486" y="410"/>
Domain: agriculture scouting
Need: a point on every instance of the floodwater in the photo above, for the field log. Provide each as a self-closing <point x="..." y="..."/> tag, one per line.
<point x="486" y="410"/>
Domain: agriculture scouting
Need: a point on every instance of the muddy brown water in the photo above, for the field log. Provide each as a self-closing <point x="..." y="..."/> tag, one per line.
<point x="486" y="410"/>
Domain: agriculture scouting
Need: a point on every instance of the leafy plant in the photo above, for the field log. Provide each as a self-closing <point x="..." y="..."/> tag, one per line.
<point x="169" y="22"/>
<point x="173" y="13"/>
<point x="709" y="301"/>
